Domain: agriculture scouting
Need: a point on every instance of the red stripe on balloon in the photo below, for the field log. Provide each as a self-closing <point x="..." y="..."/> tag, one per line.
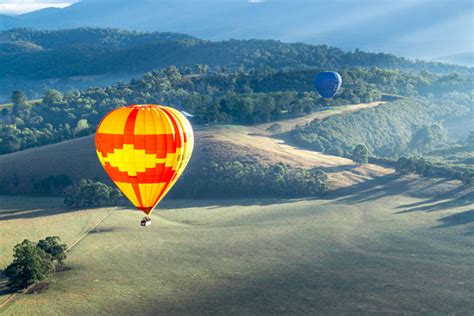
<point x="152" y="144"/>
<point x="136" y="189"/>
<point x="178" y="128"/>
<point x="128" y="133"/>
<point x="159" y="174"/>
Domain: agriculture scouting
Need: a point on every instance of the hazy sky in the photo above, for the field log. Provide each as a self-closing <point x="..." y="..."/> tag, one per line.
<point x="412" y="28"/>
<point x="23" y="6"/>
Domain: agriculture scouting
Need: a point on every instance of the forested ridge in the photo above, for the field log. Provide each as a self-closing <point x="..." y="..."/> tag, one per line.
<point x="225" y="97"/>
<point x="388" y="130"/>
<point x="32" y="54"/>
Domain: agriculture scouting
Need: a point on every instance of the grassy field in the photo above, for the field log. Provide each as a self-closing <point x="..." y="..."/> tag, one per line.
<point x="36" y="218"/>
<point x="288" y="125"/>
<point x="372" y="251"/>
<point x="246" y="143"/>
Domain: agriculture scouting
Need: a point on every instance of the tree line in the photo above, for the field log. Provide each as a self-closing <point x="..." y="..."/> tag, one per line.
<point x="43" y="54"/>
<point x="227" y="179"/>
<point x="219" y="97"/>
<point x="87" y="193"/>
<point x="419" y="165"/>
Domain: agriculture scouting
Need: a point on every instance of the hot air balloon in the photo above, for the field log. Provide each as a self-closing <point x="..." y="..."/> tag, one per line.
<point x="328" y="83"/>
<point x="144" y="150"/>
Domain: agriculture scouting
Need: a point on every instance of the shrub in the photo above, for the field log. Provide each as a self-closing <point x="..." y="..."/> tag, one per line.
<point x="360" y="154"/>
<point x="30" y="265"/>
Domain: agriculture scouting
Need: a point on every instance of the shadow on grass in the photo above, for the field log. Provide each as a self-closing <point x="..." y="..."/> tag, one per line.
<point x="433" y="205"/>
<point x="350" y="167"/>
<point x="227" y="202"/>
<point x="306" y="290"/>
<point x="453" y="199"/>
<point x="458" y="197"/>
<point x="461" y="218"/>
<point x="38" y="288"/>
<point x="101" y="230"/>
<point x="32" y="213"/>
<point x="372" y="190"/>
<point x="458" y="219"/>
<point x="438" y="193"/>
<point x="4" y="289"/>
<point x="168" y="204"/>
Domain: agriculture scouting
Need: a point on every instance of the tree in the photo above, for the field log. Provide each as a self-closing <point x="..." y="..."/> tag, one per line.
<point x="82" y="128"/>
<point x="360" y="154"/>
<point x="18" y="98"/>
<point x="72" y="196"/>
<point x="417" y="165"/>
<point x="52" y="246"/>
<point x="275" y="128"/>
<point x="86" y="192"/>
<point x="172" y="73"/>
<point x="30" y="265"/>
<point x="89" y="192"/>
<point x="10" y="141"/>
<point x="426" y="137"/>
<point x="186" y="71"/>
<point x="201" y="69"/>
<point x="115" y="196"/>
<point x="36" y="120"/>
<point x="468" y="178"/>
<point x="52" y="97"/>
<point x="101" y="192"/>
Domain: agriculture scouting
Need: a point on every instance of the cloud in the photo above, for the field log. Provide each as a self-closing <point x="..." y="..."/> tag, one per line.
<point x="24" y="6"/>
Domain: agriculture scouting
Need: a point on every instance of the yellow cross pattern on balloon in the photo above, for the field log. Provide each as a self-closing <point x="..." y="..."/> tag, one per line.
<point x="131" y="160"/>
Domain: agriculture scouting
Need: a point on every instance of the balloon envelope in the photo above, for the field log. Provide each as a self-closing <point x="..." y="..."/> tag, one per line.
<point x="144" y="149"/>
<point x="328" y="83"/>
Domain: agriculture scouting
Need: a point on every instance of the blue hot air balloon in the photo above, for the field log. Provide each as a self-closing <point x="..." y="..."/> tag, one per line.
<point x="328" y="83"/>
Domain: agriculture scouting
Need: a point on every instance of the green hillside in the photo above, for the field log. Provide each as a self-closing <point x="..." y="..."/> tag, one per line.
<point x="243" y="153"/>
<point x="87" y="51"/>
<point x="370" y="252"/>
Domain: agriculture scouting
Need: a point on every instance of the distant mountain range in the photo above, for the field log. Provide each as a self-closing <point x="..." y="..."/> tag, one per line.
<point x="465" y="59"/>
<point x="420" y="29"/>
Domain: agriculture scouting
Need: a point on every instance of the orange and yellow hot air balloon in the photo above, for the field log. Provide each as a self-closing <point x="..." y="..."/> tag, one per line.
<point x="144" y="149"/>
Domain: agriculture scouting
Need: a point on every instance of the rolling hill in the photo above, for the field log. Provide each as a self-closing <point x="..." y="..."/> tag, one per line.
<point x="76" y="158"/>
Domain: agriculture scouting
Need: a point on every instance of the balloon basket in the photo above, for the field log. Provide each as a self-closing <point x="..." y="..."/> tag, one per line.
<point x="145" y="222"/>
